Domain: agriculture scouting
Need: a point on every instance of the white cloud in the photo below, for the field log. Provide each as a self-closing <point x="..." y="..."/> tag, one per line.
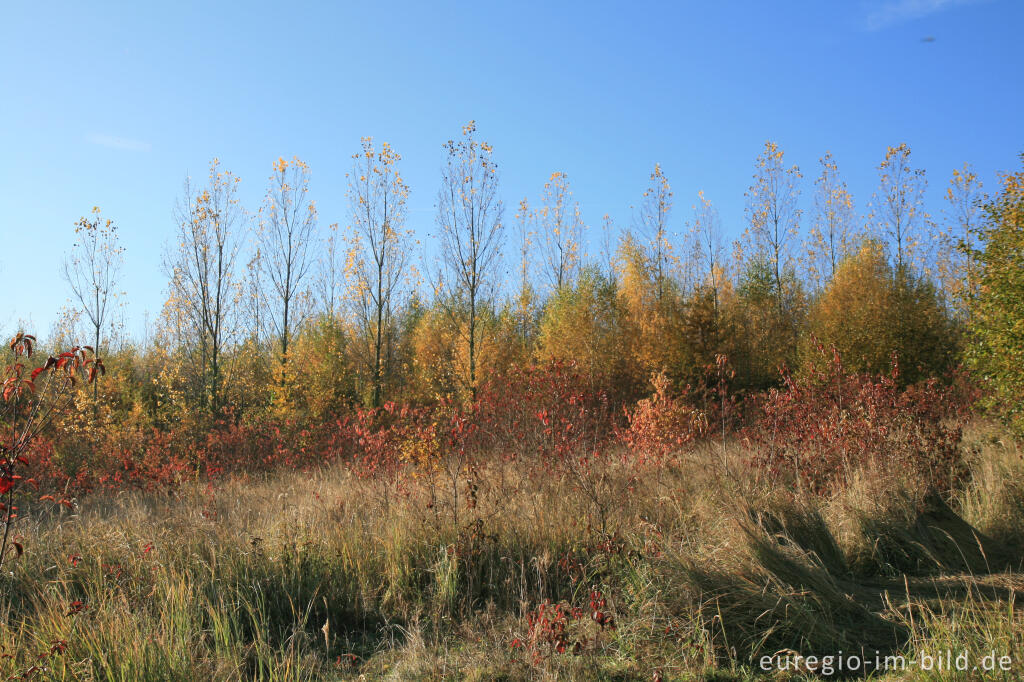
<point x="122" y="143"/>
<point x="892" y="12"/>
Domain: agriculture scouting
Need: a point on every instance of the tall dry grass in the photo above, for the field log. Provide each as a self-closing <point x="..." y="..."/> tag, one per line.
<point x="704" y="568"/>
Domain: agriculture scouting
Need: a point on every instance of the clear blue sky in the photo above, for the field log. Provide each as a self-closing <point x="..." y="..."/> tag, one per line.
<point x="112" y="104"/>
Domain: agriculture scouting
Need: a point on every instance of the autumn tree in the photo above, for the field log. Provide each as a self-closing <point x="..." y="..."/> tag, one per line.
<point x="652" y="224"/>
<point x="253" y="302"/>
<point x="92" y="270"/>
<point x="708" y="249"/>
<point x="526" y="299"/>
<point x="869" y="312"/>
<point x="608" y="242"/>
<point x="707" y="329"/>
<point x="956" y="269"/>
<point x="561" y="229"/>
<point x="469" y="221"/>
<point x="323" y="385"/>
<point x="287" y="241"/>
<point x="854" y="312"/>
<point x="772" y="213"/>
<point x="439" y="352"/>
<point x="832" y="230"/>
<point x="898" y="205"/>
<point x="706" y="326"/>
<point x="768" y="316"/>
<point x="330" y="274"/>
<point x="204" y="284"/>
<point x="651" y="310"/>
<point x="380" y="252"/>
<point x="434" y="340"/>
<point x="584" y="323"/>
<point x="996" y="349"/>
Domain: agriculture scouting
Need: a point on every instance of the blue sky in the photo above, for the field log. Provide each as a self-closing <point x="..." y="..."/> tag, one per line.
<point x="112" y="104"/>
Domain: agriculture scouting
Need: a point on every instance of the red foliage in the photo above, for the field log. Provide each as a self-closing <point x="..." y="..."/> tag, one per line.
<point x="551" y="420"/>
<point x="550" y="630"/>
<point x="28" y="406"/>
<point x="662" y="424"/>
<point x="818" y="430"/>
<point x="545" y="411"/>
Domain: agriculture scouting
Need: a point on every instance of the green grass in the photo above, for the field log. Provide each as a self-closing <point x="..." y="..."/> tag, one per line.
<point x="326" y="576"/>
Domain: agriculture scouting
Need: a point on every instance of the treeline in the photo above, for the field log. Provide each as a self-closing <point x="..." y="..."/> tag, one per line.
<point x="269" y="315"/>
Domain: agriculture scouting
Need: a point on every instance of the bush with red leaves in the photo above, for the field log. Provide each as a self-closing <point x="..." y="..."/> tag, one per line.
<point x="546" y="411"/>
<point x="817" y="431"/>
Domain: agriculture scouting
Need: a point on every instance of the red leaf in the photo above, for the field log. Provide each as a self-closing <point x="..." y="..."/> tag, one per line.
<point x="6" y="483"/>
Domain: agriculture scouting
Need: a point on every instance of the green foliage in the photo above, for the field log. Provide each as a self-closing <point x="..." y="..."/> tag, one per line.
<point x="996" y="320"/>
<point x="769" y="320"/>
<point x="708" y="330"/>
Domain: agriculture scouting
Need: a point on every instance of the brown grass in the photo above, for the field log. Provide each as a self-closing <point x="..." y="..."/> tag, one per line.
<point x="325" y="575"/>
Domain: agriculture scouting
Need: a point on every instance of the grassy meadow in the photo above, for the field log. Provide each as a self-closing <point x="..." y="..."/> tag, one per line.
<point x="700" y="570"/>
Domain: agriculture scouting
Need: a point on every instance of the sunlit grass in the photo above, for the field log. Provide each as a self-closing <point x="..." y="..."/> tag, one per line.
<point x="311" y="576"/>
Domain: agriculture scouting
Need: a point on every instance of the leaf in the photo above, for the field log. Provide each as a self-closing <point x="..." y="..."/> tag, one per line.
<point x="6" y="483"/>
<point x="18" y="548"/>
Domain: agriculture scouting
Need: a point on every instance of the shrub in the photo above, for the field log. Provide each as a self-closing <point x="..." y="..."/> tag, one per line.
<point x="818" y="430"/>
<point x="31" y="401"/>
<point x="544" y="411"/>
<point x="661" y="424"/>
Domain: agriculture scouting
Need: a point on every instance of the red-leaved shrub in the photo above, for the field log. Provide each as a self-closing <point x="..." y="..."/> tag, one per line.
<point x="818" y="430"/>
